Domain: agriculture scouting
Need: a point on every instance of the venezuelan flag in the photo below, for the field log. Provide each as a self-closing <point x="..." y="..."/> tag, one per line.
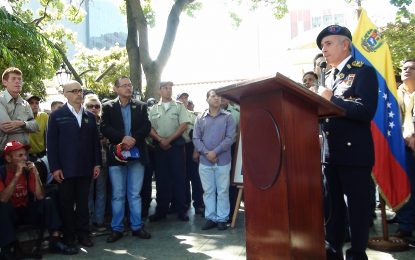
<point x="389" y="170"/>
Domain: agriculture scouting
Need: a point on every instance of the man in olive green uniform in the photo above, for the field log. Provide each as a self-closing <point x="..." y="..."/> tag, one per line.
<point x="192" y="166"/>
<point x="234" y="110"/>
<point x="169" y="121"/>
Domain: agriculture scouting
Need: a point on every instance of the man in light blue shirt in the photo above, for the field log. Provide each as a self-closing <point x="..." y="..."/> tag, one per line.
<point x="213" y="135"/>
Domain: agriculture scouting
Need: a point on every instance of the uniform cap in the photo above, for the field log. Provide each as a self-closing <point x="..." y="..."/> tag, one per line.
<point x="166" y="83"/>
<point x="13" y="146"/>
<point x="333" y="30"/>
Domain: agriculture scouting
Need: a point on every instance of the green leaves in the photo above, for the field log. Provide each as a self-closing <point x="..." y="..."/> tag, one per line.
<point x="24" y="47"/>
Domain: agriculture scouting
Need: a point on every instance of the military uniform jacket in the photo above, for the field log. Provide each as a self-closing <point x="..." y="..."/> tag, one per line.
<point x="112" y="127"/>
<point x="166" y="122"/>
<point x="349" y="138"/>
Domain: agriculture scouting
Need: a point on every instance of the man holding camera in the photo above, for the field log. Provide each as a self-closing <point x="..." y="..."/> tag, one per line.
<point x="23" y="201"/>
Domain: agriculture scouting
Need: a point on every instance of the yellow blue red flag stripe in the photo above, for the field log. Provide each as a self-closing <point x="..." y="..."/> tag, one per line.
<point x="389" y="170"/>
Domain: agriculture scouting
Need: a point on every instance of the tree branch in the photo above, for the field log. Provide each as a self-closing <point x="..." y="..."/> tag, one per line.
<point x="37" y="21"/>
<point x="68" y="64"/>
<point x="171" y="31"/>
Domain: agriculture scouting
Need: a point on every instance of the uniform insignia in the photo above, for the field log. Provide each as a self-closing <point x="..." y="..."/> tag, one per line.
<point x="349" y="79"/>
<point x="357" y="63"/>
<point x="372" y="40"/>
<point x="133" y="106"/>
<point x="349" y="66"/>
<point x="86" y="120"/>
<point x="341" y="76"/>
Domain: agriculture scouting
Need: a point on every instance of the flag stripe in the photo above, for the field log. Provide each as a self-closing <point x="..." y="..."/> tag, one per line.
<point x="386" y="162"/>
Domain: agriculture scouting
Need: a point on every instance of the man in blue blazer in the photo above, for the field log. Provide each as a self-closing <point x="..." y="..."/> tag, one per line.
<point x="125" y="124"/>
<point x="348" y="145"/>
<point x="74" y="155"/>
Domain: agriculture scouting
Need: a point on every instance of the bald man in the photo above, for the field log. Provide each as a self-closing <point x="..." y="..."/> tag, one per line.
<point x="74" y="155"/>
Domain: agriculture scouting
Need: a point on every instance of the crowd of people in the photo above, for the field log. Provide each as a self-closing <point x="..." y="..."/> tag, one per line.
<point x="89" y="165"/>
<point x="93" y="150"/>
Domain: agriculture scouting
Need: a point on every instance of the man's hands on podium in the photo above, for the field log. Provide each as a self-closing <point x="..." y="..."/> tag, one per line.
<point x="322" y="91"/>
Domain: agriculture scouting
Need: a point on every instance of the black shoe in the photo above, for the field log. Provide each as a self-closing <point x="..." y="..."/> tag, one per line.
<point x="209" y="224"/>
<point x="86" y="241"/>
<point x="183" y="217"/>
<point x="141" y="233"/>
<point x="156" y="217"/>
<point x="115" y="235"/>
<point x="222" y="226"/>
<point x="55" y="246"/>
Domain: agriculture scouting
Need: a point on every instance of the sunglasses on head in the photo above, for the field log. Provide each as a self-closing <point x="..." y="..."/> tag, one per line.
<point x="90" y="106"/>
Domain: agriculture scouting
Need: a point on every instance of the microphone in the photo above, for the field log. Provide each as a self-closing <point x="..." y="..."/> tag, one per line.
<point x="323" y="66"/>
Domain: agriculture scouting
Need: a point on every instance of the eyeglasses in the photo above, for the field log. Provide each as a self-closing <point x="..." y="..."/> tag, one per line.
<point x="126" y="86"/>
<point x="75" y="91"/>
<point x="90" y="106"/>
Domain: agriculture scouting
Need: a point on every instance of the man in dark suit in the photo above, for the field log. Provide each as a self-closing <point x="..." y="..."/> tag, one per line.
<point x="74" y="155"/>
<point x="348" y="145"/>
<point x="125" y="124"/>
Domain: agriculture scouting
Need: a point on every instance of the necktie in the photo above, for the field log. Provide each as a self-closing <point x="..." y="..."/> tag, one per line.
<point x="336" y="71"/>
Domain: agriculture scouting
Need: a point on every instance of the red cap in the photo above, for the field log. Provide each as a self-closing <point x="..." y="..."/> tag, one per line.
<point x="118" y="153"/>
<point x="13" y="146"/>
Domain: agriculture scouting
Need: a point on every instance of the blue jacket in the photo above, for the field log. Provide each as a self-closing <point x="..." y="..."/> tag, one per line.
<point x="73" y="149"/>
<point x="349" y="138"/>
<point x="112" y="127"/>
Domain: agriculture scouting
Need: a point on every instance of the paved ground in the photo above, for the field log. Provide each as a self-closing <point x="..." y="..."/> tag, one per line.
<point x="173" y="239"/>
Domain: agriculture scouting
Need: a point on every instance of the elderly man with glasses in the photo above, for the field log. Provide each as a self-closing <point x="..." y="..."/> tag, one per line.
<point x="74" y="154"/>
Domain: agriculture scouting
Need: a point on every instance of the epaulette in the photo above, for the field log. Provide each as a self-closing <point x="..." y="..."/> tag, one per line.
<point x="357" y="63"/>
<point x="179" y="102"/>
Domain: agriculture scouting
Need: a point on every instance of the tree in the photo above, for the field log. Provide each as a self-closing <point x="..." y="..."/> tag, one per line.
<point x="140" y="15"/>
<point x="36" y="43"/>
<point x="23" y="47"/>
<point x="399" y="34"/>
<point x="100" y="68"/>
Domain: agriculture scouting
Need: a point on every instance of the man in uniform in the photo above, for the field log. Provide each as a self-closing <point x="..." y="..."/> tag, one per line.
<point x="348" y="146"/>
<point x="192" y="173"/>
<point x="169" y="120"/>
<point x="16" y="117"/>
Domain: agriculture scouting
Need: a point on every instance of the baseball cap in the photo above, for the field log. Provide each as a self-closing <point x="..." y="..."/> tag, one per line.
<point x="13" y="146"/>
<point x="30" y="96"/>
<point x="182" y="94"/>
<point x="333" y="30"/>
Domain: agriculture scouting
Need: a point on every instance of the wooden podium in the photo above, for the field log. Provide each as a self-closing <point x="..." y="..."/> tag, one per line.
<point x="281" y="167"/>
